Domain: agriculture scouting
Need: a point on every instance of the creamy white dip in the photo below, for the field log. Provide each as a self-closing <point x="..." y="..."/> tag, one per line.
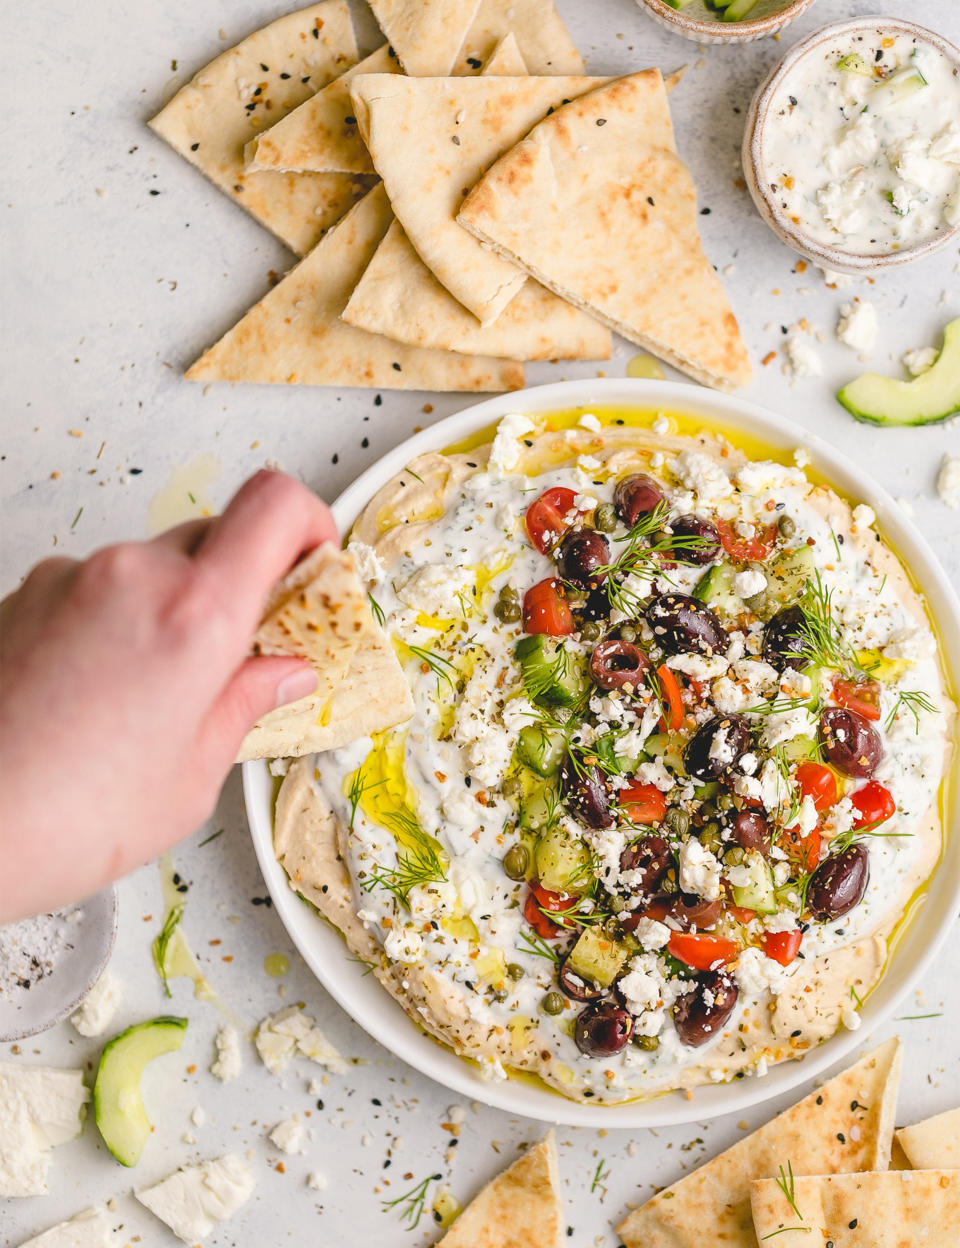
<point x="862" y="143"/>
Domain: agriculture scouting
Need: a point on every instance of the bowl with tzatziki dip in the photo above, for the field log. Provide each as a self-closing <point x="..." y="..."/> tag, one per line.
<point x="671" y="810"/>
<point x="852" y="145"/>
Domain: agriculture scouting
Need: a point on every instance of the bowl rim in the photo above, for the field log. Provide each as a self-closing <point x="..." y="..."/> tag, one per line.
<point x="750" y="28"/>
<point x="758" y="119"/>
<point x="372" y="1007"/>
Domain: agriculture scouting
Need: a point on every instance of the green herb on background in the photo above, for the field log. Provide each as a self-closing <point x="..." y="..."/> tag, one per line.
<point x="212" y="837"/>
<point x="161" y="943"/>
<point x="376" y="610"/>
<point x="411" y="1205"/>
<point x="913" y="702"/>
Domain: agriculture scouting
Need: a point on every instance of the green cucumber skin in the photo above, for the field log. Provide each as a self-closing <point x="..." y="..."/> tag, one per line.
<point x="944" y="375"/>
<point x="103" y="1113"/>
<point x="893" y="422"/>
<point x="738" y="10"/>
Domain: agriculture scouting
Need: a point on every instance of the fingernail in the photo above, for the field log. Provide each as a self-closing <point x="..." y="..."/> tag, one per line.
<point x="299" y="684"/>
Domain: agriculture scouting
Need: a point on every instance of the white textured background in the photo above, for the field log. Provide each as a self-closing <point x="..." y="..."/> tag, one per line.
<point x="108" y="293"/>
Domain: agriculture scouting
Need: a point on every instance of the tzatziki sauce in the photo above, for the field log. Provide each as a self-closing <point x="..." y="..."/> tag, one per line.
<point x="861" y="149"/>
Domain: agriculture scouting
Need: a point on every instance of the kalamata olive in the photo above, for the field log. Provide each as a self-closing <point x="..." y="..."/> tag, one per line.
<point x="693" y="540"/>
<point x="597" y="606"/>
<point x="577" y="988"/>
<point x="586" y="794"/>
<point x="750" y="830"/>
<point x="700" y="1015"/>
<point x="839" y="882"/>
<point x="649" y="855"/>
<point x="715" y="747"/>
<point x="579" y="556"/>
<point x="691" y="911"/>
<point x="635" y="496"/>
<point x="850" y="742"/>
<point x="603" y="1029"/>
<point x="683" y="625"/>
<point x="785" y="639"/>
<point x="614" y="664"/>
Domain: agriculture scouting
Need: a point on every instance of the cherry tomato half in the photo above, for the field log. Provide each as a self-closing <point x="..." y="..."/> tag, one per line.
<point x="546" y="610"/>
<point x="874" y="804"/>
<point x="782" y="946"/>
<point x="540" y="899"/>
<point x="747" y="549"/>
<point x="671" y="699"/>
<point x="862" y="696"/>
<point x="818" y="782"/>
<point x="804" y="849"/>
<point x="741" y="913"/>
<point x="546" y="517"/>
<point x="641" y="803"/>
<point x="703" y="953"/>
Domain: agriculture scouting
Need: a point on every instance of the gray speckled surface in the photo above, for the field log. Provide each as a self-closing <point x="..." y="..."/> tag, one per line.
<point x="110" y="292"/>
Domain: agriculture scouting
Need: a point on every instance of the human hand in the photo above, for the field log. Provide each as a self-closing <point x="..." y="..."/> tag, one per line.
<point x="126" y="690"/>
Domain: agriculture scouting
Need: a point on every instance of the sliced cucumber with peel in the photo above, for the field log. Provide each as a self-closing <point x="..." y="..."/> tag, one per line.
<point x="715" y="588"/>
<point x="759" y="893"/>
<point x="596" y="958"/>
<point x="738" y="10"/>
<point x="928" y="399"/>
<point x="117" y="1103"/>
<point x="898" y="87"/>
<point x="854" y="63"/>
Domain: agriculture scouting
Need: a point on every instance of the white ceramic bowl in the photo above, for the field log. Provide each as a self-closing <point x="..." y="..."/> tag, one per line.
<point x="759" y="119"/>
<point x="703" y="25"/>
<point x="370" y="1005"/>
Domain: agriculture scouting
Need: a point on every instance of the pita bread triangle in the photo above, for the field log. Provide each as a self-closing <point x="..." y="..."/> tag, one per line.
<point x="228" y="102"/>
<point x="933" y="1143"/>
<point x="891" y="1209"/>
<point x="294" y="335"/>
<point x="430" y="140"/>
<point x="426" y="34"/>
<point x="597" y="206"/>
<point x="541" y="36"/>
<point x="520" y="1208"/>
<point x="845" y="1126"/>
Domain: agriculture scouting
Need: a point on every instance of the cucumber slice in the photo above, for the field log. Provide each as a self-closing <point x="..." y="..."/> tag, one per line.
<point x="898" y="87"/>
<point x="541" y="749"/>
<point x="758" y="893"/>
<point x="596" y="958"/>
<point x="678" y="4"/>
<point x="551" y="675"/>
<point x="738" y="10"/>
<point x="117" y="1103"/>
<point x="800" y="748"/>
<point x="854" y="63"/>
<point x="789" y="572"/>
<point x="928" y="399"/>
<point x="562" y="863"/>
<point x="539" y="802"/>
<point x="715" y="588"/>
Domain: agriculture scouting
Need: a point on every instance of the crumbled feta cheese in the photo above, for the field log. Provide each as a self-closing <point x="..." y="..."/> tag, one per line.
<point x="589" y="421"/>
<point x="794" y="684"/>
<point x="840" y="204"/>
<point x="289" y="1031"/>
<point x="506" y="449"/>
<point x="194" y="1198"/>
<point x="850" y="1018"/>
<point x="652" y="934"/>
<point x="837" y="280"/>
<point x="40" y="1107"/>
<point x="654" y="772"/>
<point x="699" y="870"/>
<point x="948" y="480"/>
<point x="317" y="1181"/>
<point x="864" y="516"/>
<point x="774" y="790"/>
<point x="920" y="360"/>
<point x="911" y="644"/>
<point x="802" y="359"/>
<point x="801" y="457"/>
<point x="403" y="944"/>
<point x="702" y="474"/>
<point x="92" y="1228"/>
<point x="749" y="582"/>
<point x="783" y="921"/>
<point x="785" y="725"/>
<point x="437" y="589"/>
<point x="807" y="816"/>
<point x="198" y="1116"/>
<point x="661" y="425"/>
<point x="98" y="1007"/>
<point x="722" y="749"/>
<point x="857" y="327"/>
<point x="699" y="666"/>
<point x="487" y="739"/>
<point x="852" y="146"/>
<point x="369" y="567"/>
<point x="756" y="973"/>
<point x="226" y="1065"/>
<point x="290" y="1136"/>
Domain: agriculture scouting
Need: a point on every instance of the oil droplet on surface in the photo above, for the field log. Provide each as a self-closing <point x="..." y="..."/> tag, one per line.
<point x="276" y="964"/>
<point x="645" y="366"/>
<point x="184" y="497"/>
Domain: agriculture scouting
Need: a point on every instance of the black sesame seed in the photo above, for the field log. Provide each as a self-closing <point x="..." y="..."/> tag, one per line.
<point x="378" y="400"/>
<point x="397" y="367"/>
<point x="135" y="472"/>
<point x="796" y="1033"/>
<point x="841" y="1137"/>
<point x="351" y="121"/>
<point x="335" y="459"/>
<point x="365" y="443"/>
<point x="819" y="1100"/>
<point x="375" y="1100"/>
<point x="315" y="33"/>
<point x="265" y="68"/>
<point x="878" y="55"/>
<point x="474" y="62"/>
<point x="853" y="1224"/>
<point x="650" y="201"/>
<point x="704" y="212"/>
<point x="793" y="100"/>
<point x="154" y="191"/>
<point x="601" y="121"/>
<point x="194" y="146"/>
<point x="320" y="1105"/>
<point x="284" y="76"/>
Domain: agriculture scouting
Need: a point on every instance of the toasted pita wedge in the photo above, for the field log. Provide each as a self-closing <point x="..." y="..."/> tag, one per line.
<point x="320" y="612"/>
<point x="425" y="34"/>
<point x="520" y="1208"/>
<point x="934" y="1143"/>
<point x="321" y="135"/>
<point x="212" y="118"/>
<point x="430" y="140"/>
<point x="295" y="336"/>
<point x="544" y="43"/>
<point x="892" y="1209"/>
<point x="597" y="206"/>
<point x="845" y="1126"/>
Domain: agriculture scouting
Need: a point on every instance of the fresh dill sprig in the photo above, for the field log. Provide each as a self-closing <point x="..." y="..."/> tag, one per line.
<point x="359" y="785"/>
<point x="418" y="865"/>
<point x="537" y="946"/>
<point x="779" y="706"/>
<point x="363" y="962"/>
<point x="787" y="1184"/>
<point x="645" y="547"/>
<point x="912" y="701"/>
<point x="843" y="840"/>
<point x="411" y="1205"/>
<point x="540" y="677"/>
<point x="161" y="943"/>
<point x="823" y="642"/>
<point x="783" y="1230"/>
<point x="856" y="997"/>
<point x="212" y="837"/>
<point x="376" y="610"/>
<point x="437" y="664"/>
<point x="599" y="1175"/>
<point x="912" y="1018"/>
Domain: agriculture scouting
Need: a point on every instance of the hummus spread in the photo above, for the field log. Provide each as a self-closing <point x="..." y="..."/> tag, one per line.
<point x="673" y="775"/>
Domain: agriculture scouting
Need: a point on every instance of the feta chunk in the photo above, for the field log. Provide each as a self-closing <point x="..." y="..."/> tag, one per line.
<point x="785" y="725"/>
<point x="702" y="474"/>
<point x="437" y="590"/>
<point x="749" y="582"/>
<point x="226" y="1065"/>
<point x="290" y="1136"/>
<point x="40" y="1107"/>
<point x="920" y="360"/>
<point x="194" y="1198"/>
<point x="699" y="870"/>
<point x="369" y="567"/>
<point x="98" y="1007"/>
<point x="590" y="422"/>
<point x="652" y="934"/>
<point x="488" y="738"/>
<point x="317" y="1181"/>
<point x="802" y="359"/>
<point x="757" y="974"/>
<point x="506" y="449"/>
<point x="911" y="644"/>
<point x="948" y="480"/>
<point x="290" y="1031"/>
<point x="91" y="1228"/>
<point x="857" y="327"/>
<point x="699" y="666"/>
<point x="403" y="944"/>
<point x="864" y="516"/>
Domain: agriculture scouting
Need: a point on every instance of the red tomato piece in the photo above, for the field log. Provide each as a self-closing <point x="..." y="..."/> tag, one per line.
<point x="782" y="946"/>
<point x="805" y="849"/>
<point x="546" y="517"/>
<point x="747" y="549"/>
<point x="671" y="699"/>
<point x="862" y="696"/>
<point x="874" y="804"/>
<point x="741" y="913"/>
<point x="818" y="782"/>
<point x="540" y="899"/>
<point x="543" y="926"/>
<point x="546" y="610"/>
<point x="657" y="909"/>
<point x="703" y="953"/>
<point x="641" y="803"/>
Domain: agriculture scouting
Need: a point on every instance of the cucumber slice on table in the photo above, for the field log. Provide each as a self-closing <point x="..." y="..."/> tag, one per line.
<point x="738" y="10"/>
<point x="928" y="399"/>
<point x="117" y="1103"/>
<point x="552" y="675"/>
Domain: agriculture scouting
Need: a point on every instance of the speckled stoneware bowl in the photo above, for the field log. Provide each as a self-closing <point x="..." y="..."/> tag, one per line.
<point x="759" y="181"/>
<point x="705" y="25"/>
<point x="75" y="971"/>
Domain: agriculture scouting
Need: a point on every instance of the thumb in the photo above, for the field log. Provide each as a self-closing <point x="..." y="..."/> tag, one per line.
<point x="259" y="685"/>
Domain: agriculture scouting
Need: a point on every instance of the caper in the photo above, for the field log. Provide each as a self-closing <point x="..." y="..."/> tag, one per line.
<point x="613" y="928"/>
<point x="590" y="630"/>
<point x="725" y="801"/>
<point x="710" y="836"/>
<point x="628" y="634"/>
<point x="605" y="518"/>
<point x="553" y="1003"/>
<point x="648" y="1043"/>
<point x="677" y="820"/>
<point x="516" y="861"/>
<point x="787" y="527"/>
<point x="515" y="970"/>
<point x="506" y="611"/>
<point x="618" y="904"/>
<point x="733" y="857"/>
<point x="509" y="593"/>
<point x="757" y="603"/>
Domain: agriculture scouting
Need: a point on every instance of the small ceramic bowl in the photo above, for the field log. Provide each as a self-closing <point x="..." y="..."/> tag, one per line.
<point x="759" y="119"/>
<point x="76" y="969"/>
<point x="704" y="25"/>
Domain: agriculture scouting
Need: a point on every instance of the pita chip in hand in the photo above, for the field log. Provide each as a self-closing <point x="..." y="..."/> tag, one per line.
<point x="295" y="336"/>
<point x="933" y="1144"/>
<point x="212" y="119"/>
<point x="520" y="1208"/>
<point x="892" y="1209"/>
<point x="320" y="612"/>
<point x="845" y="1126"/>
<point x="597" y="206"/>
<point x="425" y="34"/>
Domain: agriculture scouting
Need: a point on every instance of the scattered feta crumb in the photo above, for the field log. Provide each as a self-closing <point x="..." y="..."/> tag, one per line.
<point x="317" y="1181"/>
<point x="290" y="1136"/>
<point x="699" y="870"/>
<point x="857" y="327"/>
<point x="369" y="566"/>
<point x="864" y="516"/>
<point x="589" y="421"/>
<point x="226" y="1065"/>
<point x="98" y="1007"/>
<point x="749" y="582"/>
<point x="919" y="360"/>
<point x="198" y="1116"/>
<point x="281" y="1035"/>
<point x="839" y="280"/>
<point x="850" y="1018"/>
<point x="194" y="1198"/>
<point x="802" y="359"/>
<point x="948" y="480"/>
